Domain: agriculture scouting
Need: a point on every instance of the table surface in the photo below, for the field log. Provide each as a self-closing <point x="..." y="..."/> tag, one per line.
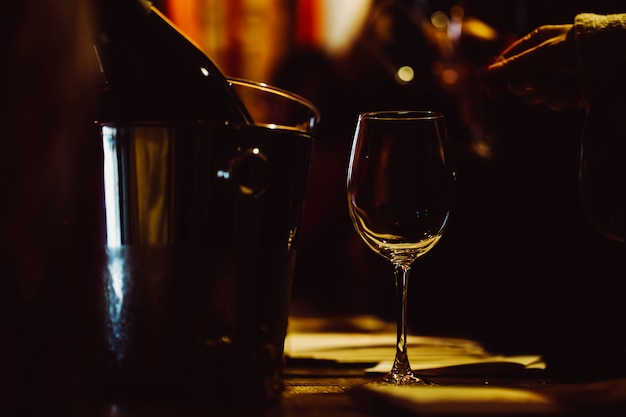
<point x="341" y="396"/>
<point x="328" y="374"/>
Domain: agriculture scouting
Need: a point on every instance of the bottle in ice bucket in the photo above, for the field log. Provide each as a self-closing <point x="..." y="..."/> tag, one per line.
<point x="202" y="205"/>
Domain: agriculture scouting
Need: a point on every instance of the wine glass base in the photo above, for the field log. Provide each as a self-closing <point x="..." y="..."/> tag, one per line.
<point x="402" y="379"/>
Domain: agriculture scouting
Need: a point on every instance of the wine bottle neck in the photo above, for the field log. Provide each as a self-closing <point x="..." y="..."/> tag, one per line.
<point x="152" y="71"/>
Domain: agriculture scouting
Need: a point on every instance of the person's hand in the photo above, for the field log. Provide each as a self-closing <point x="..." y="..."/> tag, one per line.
<point x="541" y="68"/>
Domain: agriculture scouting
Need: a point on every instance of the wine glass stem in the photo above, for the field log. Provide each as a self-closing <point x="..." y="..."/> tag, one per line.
<point x="401" y="363"/>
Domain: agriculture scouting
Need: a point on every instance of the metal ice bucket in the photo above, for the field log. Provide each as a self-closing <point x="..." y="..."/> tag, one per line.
<point x="201" y="227"/>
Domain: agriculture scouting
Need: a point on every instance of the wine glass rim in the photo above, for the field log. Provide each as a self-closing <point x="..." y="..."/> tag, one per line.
<point x="401" y="114"/>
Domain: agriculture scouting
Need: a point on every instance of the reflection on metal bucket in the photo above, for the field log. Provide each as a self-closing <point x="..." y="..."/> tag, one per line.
<point x="200" y="228"/>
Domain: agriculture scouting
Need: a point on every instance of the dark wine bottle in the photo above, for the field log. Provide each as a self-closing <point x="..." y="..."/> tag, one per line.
<point x="153" y="72"/>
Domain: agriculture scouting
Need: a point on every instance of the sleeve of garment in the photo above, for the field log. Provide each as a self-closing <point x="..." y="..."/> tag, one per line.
<point x="601" y="43"/>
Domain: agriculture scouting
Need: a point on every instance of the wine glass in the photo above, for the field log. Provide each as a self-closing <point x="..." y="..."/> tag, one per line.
<point x="400" y="187"/>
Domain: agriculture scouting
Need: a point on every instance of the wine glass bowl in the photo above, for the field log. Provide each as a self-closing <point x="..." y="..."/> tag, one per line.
<point x="400" y="188"/>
